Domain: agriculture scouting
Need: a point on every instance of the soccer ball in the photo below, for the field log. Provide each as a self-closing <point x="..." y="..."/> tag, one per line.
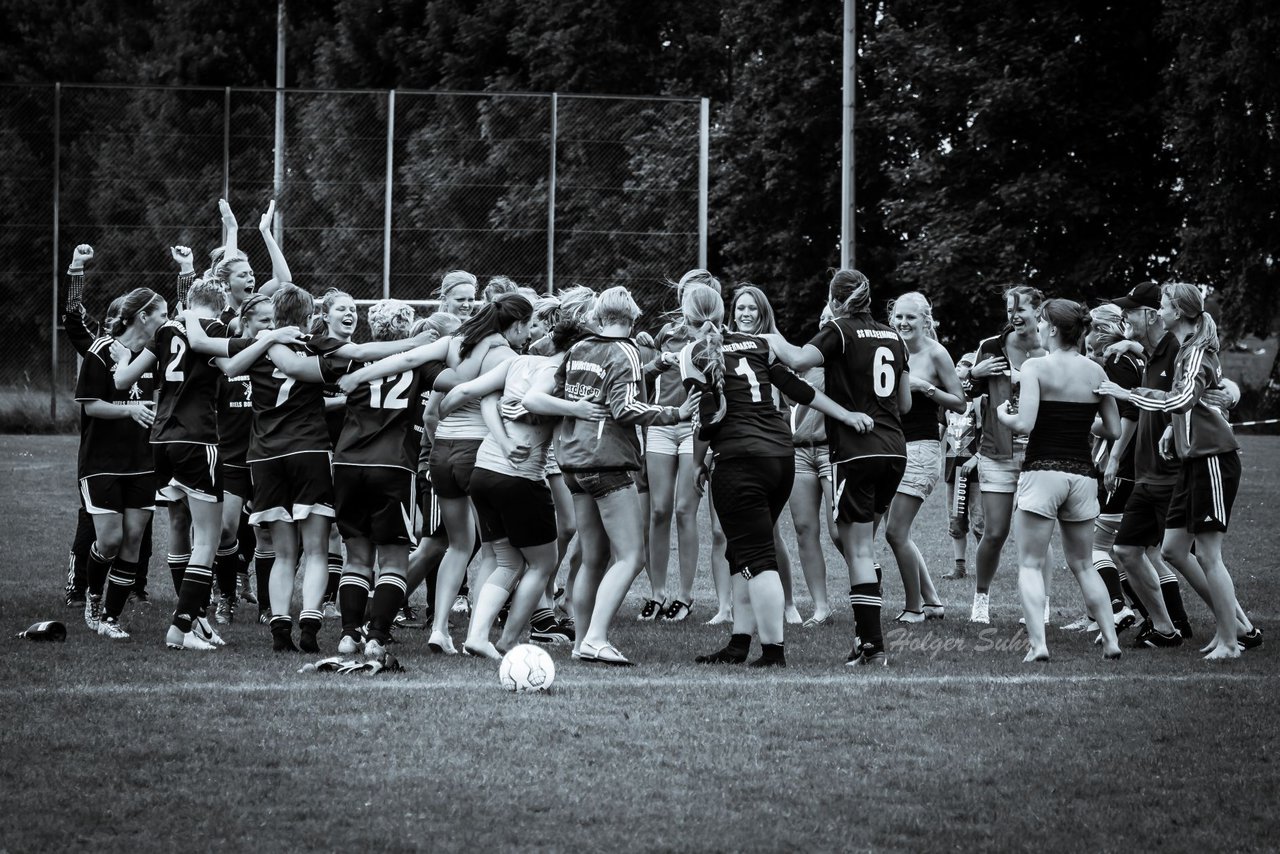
<point x="526" y="668"/>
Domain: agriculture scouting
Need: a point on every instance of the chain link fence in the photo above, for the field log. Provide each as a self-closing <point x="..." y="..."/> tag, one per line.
<point x="379" y="193"/>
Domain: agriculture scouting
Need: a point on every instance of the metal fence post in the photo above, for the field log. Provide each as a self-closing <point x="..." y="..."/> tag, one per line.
<point x="551" y="201"/>
<point x="53" y="300"/>
<point x="386" y="216"/>
<point x="704" y="156"/>
<point x="226" y="151"/>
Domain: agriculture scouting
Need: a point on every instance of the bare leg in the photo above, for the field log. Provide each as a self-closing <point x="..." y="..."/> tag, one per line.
<point x="1077" y="548"/>
<point x="1034" y="531"/>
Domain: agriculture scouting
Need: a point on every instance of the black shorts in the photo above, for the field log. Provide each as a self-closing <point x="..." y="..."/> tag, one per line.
<point x="291" y="488"/>
<point x="1113" y="503"/>
<point x="864" y="486"/>
<point x="1143" y="522"/>
<point x="749" y="494"/>
<point x="429" y="507"/>
<point x="374" y="503"/>
<point x="513" y="508"/>
<point x="597" y="484"/>
<point x="237" y="481"/>
<point x="116" y="493"/>
<point x="187" y="470"/>
<point x="1205" y="491"/>
<point x="452" y="461"/>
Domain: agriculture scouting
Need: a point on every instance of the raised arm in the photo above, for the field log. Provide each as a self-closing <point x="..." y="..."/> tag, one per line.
<point x="186" y="272"/>
<point x="73" y="318"/>
<point x="280" y="273"/>
<point x="231" y="227"/>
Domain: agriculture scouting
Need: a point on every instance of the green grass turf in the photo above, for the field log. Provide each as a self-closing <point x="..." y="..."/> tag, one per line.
<point x="126" y="746"/>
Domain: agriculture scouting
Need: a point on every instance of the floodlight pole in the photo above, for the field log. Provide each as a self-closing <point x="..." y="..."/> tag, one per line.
<point x="551" y="194"/>
<point x="277" y="182"/>
<point x="704" y="157"/>
<point x="386" y="204"/>
<point x="847" y="205"/>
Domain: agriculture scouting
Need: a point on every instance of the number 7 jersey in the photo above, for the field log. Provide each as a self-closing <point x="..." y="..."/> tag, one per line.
<point x="288" y="414"/>
<point x="865" y="362"/>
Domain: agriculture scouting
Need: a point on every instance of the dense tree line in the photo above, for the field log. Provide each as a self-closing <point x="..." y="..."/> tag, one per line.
<point x="1076" y="147"/>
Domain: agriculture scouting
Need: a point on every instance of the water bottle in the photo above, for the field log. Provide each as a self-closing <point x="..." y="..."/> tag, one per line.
<point x="50" y="630"/>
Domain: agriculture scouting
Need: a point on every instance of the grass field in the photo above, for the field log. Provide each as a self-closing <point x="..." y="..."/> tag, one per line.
<point x="956" y="746"/>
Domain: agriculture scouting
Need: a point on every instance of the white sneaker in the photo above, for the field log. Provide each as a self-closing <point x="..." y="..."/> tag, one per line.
<point x="177" y="639"/>
<point x="375" y="651"/>
<point x="981" y="612"/>
<point x="1124" y="618"/>
<point x="330" y="610"/>
<point x="461" y="605"/>
<point x="200" y="628"/>
<point x="110" y="628"/>
<point x="92" y="611"/>
<point x="349" y="645"/>
<point x="1079" y="624"/>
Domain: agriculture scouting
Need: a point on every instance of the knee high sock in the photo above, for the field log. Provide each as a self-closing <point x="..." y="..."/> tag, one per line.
<point x="1171" y="592"/>
<point x="335" y="577"/>
<point x="1134" y="601"/>
<point x="388" y="598"/>
<point x="192" y="596"/>
<point x="177" y="569"/>
<point x="1106" y="568"/>
<point x="867" y="601"/>
<point x="98" y="568"/>
<point x="120" y="579"/>
<point x="78" y="561"/>
<point x="262" y="562"/>
<point x="353" y="597"/>
<point x="224" y="568"/>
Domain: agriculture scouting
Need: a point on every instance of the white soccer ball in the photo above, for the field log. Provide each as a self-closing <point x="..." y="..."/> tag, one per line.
<point x="526" y="668"/>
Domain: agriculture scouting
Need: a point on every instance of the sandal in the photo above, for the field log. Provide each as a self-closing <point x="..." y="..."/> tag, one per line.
<point x="676" y="612"/>
<point x="605" y="653"/>
<point x="814" y="622"/>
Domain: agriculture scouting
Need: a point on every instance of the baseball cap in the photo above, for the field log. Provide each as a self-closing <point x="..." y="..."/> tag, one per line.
<point x="1144" y="295"/>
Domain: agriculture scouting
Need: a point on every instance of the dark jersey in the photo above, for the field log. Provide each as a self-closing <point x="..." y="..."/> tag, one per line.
<point x="334" y="417"/>
<point x="235" y="419"/>
<point x="288" y="414"/>
<point x="1149" y="466"/>
<point x="378" y="429"/>
<point x="111" y="445"/>
<point x="864" y="362"/>
<point x="187" y="385"/>
<point x="1125" y="371"/>
<point x="743" y="420"/>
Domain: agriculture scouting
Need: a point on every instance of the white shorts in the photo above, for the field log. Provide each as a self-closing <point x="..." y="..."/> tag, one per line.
<point x="924" y="468"/>
<point x="669" y="440"/>
<point x="1058" y="495"/>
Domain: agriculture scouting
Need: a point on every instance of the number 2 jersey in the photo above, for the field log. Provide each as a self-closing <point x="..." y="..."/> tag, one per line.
<point x="744" y="419"/>
<point x="864" y="362"/>
<point x="187" y="383"/>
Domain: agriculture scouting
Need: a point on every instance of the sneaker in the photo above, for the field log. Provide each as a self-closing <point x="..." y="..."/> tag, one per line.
<point x="1151" y="639"/>
<point x="75" y="598"/>
<point x="955" y="574"/>
<point x="178" y="639"/>
<point x="264" y="616"/>
<point x="374" y="650"/>
<point x="552" y="632"/>
<point x="651" y="610"/>
<point x="282" y="638"/>
<point x="109" y="627"/>
<point x="1080" y="624"/>
<point x="331" y="611"/>
<point x="92" y="611"/>
<point x="461" y="605"/>
<point x="246" y="584"/>
<point x="1252" y="640"/>
<point x="407" y="619"/>
<point x="981" y="611"/>
<point x="308" y="638"/>
<point x="869" y="656"/>
<point x="349" y="645"/>
<point x="910" y="617"/>
<point x="1184" y="628"/>
<point x="225" y="613"/>
<point x="200" y="628"/>
<point x="677" y="612"/>
<point x="1124" y="618"/>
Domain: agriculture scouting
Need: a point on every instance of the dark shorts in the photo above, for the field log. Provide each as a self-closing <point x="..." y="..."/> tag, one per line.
<point x="429" y="507"/>
<point x="374" y="503"/>
<point x="597" y="484"/>
<point x="291" y="488"/>
<point x="237" y="481"/>
<point x="865" y="486"/>
<point x="188" y="470"/>
<point x="116" y="493"/>
<point x="1204" y="494"/>
<point x="513" y="508"/>
<point x="1143" y="522"/>
<point x="1113" y="503"/>
<point x="452" y="462"/>
<point x="749" y="494"/>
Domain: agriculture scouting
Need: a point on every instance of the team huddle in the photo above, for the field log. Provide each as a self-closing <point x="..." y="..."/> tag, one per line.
<point x="480" y="450"/>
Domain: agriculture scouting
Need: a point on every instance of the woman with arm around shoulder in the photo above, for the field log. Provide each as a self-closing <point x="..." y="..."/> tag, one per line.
<point x="1058" y="406"/>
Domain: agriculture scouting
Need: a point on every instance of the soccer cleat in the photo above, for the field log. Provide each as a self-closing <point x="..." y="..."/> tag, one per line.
<point x="375" y="651"/>
<point x="868" y="656"/>
<point x="349" y="645"/>
<point x="243" y="581"/>
<point x="955" y="574"/>
<point x="330" y="610"/>
<point x="1183" y="627"/>
<point x="981" y="611"/>
<point x="910" y="617"/>
<point x="552" y="632"/>
<point x="225" y="613"/>
<point x="178" y="639"/>
<point x="651" y="610"/>
<point x="1252" y="640"/>
<point x="109" y="627"/>
<point x="201" y="628"/>
<point x="678" y="611"/>
<point x="461" y="605"/>
<point x="1152" y="639"/>
<point x="1080" y="624"/>
<point x="75" y="598"/>
<point x="308" y="638"/>
<point x="935" y="612"/>
<point x="282" y="640"/>
<point x="1124" y="618"/>
<point x="92" y="611"/>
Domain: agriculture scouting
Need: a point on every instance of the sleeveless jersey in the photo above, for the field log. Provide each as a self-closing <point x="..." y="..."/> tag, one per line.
<point x="187" y="386"/>
<point x="111" y="445"/>
<point x="378" y="428"/>
<point x="864" y="362"/>
<point x="288" y="415"/>
<point x="744" y="420"/>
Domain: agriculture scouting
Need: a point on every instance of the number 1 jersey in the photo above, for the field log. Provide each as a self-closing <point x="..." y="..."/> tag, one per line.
<point x="864" y="362"/>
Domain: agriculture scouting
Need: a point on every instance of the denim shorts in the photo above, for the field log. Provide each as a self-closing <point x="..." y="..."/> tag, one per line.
<point x="597" y="484"/>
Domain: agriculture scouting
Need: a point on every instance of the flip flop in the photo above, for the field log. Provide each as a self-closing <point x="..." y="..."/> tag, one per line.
<point x="605" y="653"/>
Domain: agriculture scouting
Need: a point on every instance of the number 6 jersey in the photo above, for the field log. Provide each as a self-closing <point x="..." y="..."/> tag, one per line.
<point x="864" y="361"/>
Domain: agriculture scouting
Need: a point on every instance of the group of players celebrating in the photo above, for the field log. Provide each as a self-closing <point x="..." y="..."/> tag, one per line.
<point x="518" y="433"/>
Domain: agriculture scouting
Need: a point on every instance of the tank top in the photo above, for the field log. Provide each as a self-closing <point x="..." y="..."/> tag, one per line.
<point x="1061" y="438"/>
<point x="922" y="421"/>
<point x="524" y="373"/>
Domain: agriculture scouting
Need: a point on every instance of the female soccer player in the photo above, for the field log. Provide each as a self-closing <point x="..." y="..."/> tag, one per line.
<point x="1209" y="475"/>
<point x="1057" y="405"/>
<point x="458" y="293"/>
<point x="867" y="373"/>
<point x="995" y="375"/>
<point x="933" y="383"/>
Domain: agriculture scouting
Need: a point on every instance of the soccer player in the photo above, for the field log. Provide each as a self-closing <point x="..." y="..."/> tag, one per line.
<point x="734" y="379"/>
<point x="117" y="484"/>
<point x="458" y="294"/>
<point x="866" y="372"/>
<point x="934" y="383"/>
<point x="1056" y="407"/>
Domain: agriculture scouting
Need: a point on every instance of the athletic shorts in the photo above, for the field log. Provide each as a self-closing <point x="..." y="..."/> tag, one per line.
<point x="516" y="509"/>
<point x="291" y="488"/>
<point x="1059" y="495"/>
<point x="237" y="481"/>
<point x="924" y="468"/>
<point x="864" y="486"/>
<point x="749" y="494"/>
<point x="1204" y="494"/>
<point x="452" y="461"/>
<point x="187" y="469"/>
<point x="1112" y="503"/>
<point x="669" y="440"/>
<point x="1144" y="517"/>
<point x="375" y="503"/>
<point x="999" y="475"/>
<point x="429" y="507"/>
<point x="552" y="467"/>
<point x="813" y="460"/>
<point x="597" y="484"/>
<point x="116" y="493"/>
